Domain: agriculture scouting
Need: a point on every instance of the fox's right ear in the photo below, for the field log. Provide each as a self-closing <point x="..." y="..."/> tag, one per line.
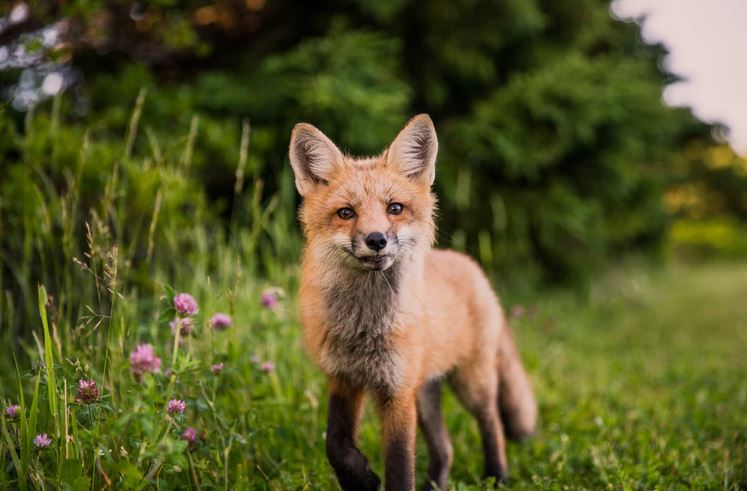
<point x="313" y="157"/>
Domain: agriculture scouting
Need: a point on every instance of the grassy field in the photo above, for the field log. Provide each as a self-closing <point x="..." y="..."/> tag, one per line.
<point x="643" y="387"/>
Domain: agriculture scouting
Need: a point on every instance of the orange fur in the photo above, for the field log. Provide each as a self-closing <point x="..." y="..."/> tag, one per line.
<point x="393" y="321"/>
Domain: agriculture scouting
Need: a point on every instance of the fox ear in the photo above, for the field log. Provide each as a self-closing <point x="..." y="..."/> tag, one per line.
<point x="313" y="157"/>
<point x="413" y="151"/>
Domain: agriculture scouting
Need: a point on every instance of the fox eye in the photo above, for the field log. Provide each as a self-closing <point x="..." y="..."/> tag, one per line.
<point x="395" y="208"/>
<point x="345" y="213"/>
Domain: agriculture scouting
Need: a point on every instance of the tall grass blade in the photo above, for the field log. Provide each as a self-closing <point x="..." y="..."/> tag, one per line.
<point x="17" y="462"/>
<point x="243" y="157"/>
<point x="49" y="359"/>
<point x="23" y="440"/>
<point x="33" y="418"/>
<point x="134" y="122"/>
<point x="238" y="186"/>
<point x="189" y="150"/>
<point x="153" y="225"/>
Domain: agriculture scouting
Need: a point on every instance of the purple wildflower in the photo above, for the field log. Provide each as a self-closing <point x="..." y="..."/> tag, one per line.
<point x="220" y="322"/>
<point x="267" y="367"/>
<point x="185" y="305"/>
<point x="167" y="373"/>
<point x="217" y="368"/>
<point x="88" y="392"/>
<point x="42" y="441"/>
<point x="176" y="406"/>
<point x="186" y="326"/>
<point x="144" y="359"/>
<point x="269" y="298"/>
<point x="189" y="435"/>
<point x="13" y="411"/>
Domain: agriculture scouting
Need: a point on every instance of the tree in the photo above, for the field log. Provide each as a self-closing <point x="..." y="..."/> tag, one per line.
<point x="555" y="145"/>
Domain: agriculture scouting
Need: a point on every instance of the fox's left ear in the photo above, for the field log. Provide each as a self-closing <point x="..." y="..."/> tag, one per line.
<point x="414" y="150"/>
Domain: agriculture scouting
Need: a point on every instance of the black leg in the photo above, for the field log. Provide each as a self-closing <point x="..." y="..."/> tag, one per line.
<point x="351" y="466"/>
<point x="478" y="391"/>
<point x="440" y="451"/>
<point x="493" y="445"/>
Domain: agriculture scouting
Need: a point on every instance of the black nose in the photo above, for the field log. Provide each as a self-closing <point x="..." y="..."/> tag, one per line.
<point x="376" y="241"/>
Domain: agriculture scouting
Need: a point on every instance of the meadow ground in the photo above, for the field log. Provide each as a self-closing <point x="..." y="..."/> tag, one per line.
<point x="643" y="387"/>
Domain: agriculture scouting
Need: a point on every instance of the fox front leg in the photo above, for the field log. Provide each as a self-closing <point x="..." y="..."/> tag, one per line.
<point x="399" y="425"/>
<point x="351" y="466"/>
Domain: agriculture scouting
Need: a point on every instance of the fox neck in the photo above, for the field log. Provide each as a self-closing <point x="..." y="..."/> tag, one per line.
<point x="365" y="304"/>
<point x="362" y="311"/>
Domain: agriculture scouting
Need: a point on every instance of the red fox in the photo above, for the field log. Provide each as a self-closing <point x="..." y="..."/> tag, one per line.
<point x="384" y="314"/>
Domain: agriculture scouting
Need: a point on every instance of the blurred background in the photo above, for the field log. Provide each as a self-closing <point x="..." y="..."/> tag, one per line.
<point x="165" y="125"/>
<point x="589" y="159"/>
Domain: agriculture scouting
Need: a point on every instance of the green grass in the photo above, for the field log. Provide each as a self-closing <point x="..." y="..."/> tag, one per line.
<point x="641" y="386"/>
<point x="644" y="387"/>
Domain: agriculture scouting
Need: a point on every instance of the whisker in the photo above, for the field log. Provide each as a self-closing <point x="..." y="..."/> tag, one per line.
<point x="383" y="275"/>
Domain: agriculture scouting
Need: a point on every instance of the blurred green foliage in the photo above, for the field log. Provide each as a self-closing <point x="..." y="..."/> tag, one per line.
<point x="556" y="148"/>
<point x="705" y="238"/>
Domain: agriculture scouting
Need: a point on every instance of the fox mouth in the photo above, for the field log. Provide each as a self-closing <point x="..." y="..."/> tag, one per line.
<point x="378" y="262"/>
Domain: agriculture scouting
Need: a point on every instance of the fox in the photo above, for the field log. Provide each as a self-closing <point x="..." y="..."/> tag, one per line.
<point x="387" y="316"/>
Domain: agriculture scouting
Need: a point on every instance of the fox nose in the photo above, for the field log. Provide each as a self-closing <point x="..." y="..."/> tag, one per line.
<point x="376" y="241"/>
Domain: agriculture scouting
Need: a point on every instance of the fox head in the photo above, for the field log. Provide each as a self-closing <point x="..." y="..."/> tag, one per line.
<point x="366" y="213"/>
